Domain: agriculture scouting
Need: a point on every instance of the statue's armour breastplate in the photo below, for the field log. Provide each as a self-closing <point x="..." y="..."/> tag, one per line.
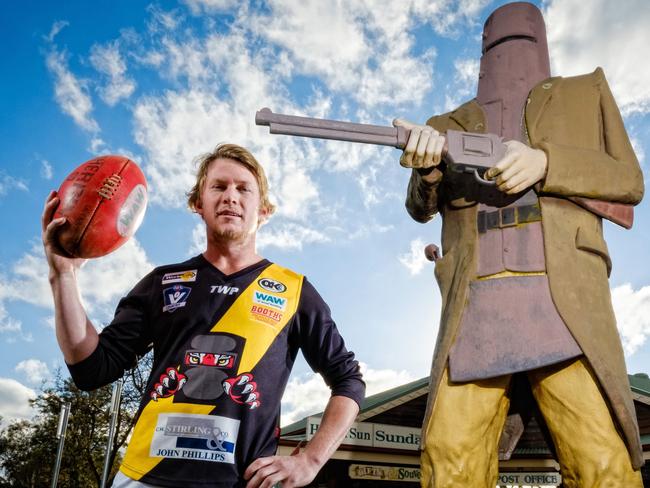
<point x="508" y="244"/>
<point x="510" y="323"/>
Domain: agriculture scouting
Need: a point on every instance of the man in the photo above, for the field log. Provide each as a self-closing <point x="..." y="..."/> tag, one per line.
<point x="225" y="327"/>
<point x="526" y="307"/>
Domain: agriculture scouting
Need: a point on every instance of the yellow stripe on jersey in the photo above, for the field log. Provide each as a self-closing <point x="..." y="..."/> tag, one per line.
<point x="137" y="461"/>
<point x="258" y="315"/>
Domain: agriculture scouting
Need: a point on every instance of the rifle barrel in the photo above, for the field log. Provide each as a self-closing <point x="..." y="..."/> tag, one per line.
<point x="332" y="129"/>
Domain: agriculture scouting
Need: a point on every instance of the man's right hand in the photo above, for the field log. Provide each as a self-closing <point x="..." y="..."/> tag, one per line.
<point x="57" y="258"/>
<point x="76" y="335"/>
<point x="424" y="147"/>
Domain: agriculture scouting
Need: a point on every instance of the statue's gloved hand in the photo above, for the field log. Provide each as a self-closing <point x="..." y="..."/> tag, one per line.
<point x="520" y="168"/>
<point x="424" y="147"/>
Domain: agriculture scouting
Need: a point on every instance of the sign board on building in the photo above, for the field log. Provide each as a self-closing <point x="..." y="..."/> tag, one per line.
<point x="374" y="435"/>
<point x="383" y="473"/>
<point x="533" y="479"/>
<point x="410" y="473"/>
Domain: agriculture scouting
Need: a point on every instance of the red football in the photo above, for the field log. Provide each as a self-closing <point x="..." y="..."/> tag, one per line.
<point x="103" y="201"/>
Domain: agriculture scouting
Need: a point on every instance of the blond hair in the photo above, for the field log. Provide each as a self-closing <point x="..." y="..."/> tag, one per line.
<point x="240" y="155"/>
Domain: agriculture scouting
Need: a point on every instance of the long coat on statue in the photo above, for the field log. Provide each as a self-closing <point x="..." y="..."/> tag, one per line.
<point x="576" y="122"/>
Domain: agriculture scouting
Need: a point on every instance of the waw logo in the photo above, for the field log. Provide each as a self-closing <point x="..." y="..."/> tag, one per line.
<point x="269" y="300"/>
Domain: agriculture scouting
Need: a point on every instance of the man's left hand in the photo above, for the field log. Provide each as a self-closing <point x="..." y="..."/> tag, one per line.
<point x="290" y="471"/>
<point x="520" y="168"/>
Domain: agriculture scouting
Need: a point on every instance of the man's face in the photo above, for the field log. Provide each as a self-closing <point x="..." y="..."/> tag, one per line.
<point x="230" y="201"/>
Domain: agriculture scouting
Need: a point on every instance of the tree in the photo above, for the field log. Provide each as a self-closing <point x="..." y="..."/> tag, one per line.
<point x="28" y="447"/>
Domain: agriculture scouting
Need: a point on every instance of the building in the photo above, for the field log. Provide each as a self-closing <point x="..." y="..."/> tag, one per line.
<point x="381" y="449"/>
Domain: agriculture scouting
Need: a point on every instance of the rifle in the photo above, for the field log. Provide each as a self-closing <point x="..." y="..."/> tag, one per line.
<point x="464" y="152"/>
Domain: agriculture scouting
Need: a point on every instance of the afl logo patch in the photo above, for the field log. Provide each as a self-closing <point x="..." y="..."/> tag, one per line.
<point x="271" y="285"/>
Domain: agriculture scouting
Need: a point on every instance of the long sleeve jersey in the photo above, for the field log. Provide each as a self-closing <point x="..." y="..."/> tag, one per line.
<point x="224" y="346"/>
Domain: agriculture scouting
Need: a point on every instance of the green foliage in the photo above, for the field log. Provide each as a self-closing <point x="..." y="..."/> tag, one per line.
<point x="28" y="447"/>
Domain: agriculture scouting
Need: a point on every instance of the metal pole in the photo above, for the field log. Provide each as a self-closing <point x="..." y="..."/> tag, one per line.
<point x="60" y="435"/>
<point x="115" y="410"/>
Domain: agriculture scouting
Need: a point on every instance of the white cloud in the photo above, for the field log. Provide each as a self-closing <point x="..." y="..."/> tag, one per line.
<point x="11" y="329"/>
<point x="289" y="235"/>
<point x="107" y="60"/>
<point x="14" y="401"/>
<point x="414" y="260"/>
<point x="197" y="7"/>
<point x="307" y="29"/>
<point x="48" y="322"/>
<point x="7" y="323"/>
<point x="379" y="380"/>
<point x="449" y="17"/>
<point x="34" y="370"/>
<point x="370" y="56"/>
<point x="163" y="20"/>
<point x="187" y="60"/>
<point x="70" y="92"/>
<point x="97" y="145"/>
<point x="28" y="281"/>
<point x="639" y="150"/>
<point x="199" y="240"/>
<point x="307" y="394"/>
<point x="467" y="70"/>
<point x="8" y="183"/>
<point x="614" y="35"/>
<point x="464" y="83"/>
<point x="46" y="169"/>
<point x="466" y="75"/>
<point x="364" y="48"/>
<point x="632" y="309"/>
<point x="369" y="229"/>
<point x="174" y="130"/>
<point x="301" y="188"/>
<point x="101" y="283"/>
<point x="151" y="58"/>
<point x="56" y="28"/>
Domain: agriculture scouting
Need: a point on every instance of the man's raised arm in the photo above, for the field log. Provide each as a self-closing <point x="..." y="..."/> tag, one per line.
<point x="75" y="334"/>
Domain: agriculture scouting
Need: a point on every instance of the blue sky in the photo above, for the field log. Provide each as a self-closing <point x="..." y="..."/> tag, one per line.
<point x="164" y="82"/>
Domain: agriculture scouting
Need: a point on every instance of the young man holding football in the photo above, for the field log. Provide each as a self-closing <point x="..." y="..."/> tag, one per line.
<point x="225" y="327"/>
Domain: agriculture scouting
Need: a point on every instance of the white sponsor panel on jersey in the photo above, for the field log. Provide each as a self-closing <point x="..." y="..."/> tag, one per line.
<point x="199" y="437"/>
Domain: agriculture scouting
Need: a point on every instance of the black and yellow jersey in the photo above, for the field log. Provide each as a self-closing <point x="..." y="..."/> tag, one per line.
<point x="224" y="346"/>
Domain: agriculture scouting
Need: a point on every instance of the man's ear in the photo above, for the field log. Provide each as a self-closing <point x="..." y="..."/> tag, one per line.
<point x="198" y="207"/>
<point x="262" y="216"/>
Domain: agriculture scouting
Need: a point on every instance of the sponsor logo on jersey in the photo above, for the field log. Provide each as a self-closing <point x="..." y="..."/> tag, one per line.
<point x="180" y="277"/>
<point x="266" y="314"/>
<point x="194" y="436"/>
<point x="224" y="289"/>
<point x="271" y="285"/>
<point x="269" y="300"/>
<point x="194" y="358"/>
<point x="175" y="297"/>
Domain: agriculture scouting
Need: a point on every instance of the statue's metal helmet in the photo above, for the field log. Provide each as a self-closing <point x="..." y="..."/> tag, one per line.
<point x="514" y="59"/>
<point x="514" y="23"/>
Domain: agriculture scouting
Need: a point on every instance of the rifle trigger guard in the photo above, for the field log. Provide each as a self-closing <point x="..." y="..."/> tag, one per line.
<point x="482" y="180"/>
